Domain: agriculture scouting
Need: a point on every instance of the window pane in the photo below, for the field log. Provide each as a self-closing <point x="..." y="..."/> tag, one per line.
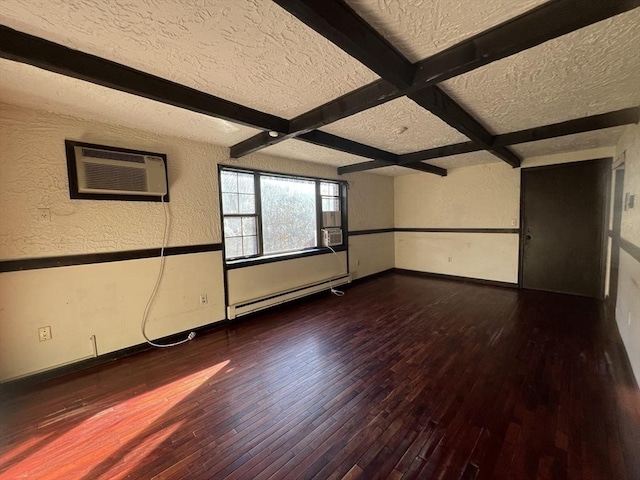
<point x="249" y="226"/>
<point x="233" y="227"/>
<point x="331" y="204"/>
<point x="247" y="203"/>
<point x="233" y="247"/>
<point x="288" y="214"/>
<point x="229" y="181"/>
<point x="229" y="203"/>
<point x="331" y="219"/>
<point x="329" y="189"/>
<point x="249" y="245"/>
<point x="245" y="183"/>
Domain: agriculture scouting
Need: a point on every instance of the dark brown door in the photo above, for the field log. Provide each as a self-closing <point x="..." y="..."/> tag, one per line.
<point x="563" y="219"/>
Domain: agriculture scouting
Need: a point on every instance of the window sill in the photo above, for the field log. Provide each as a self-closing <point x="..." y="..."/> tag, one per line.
<point x="280" y="257"/>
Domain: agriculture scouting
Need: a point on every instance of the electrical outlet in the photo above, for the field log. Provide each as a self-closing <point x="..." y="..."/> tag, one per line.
<point x="449" y="258"/>
<point x="44" y="334"/>
<point x="514" y="222"/>
<point x="44" y="215"/>
<point x="203" y="299"/>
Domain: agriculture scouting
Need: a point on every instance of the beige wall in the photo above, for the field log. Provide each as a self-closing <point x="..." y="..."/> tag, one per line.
<point x="252" y="283"/>
<point x="371" y="253"/>
<point x="488" y="256"/>
<point x="107" y="299"/>
<point x="485" y="196"/>
<point x="628" y="298"/>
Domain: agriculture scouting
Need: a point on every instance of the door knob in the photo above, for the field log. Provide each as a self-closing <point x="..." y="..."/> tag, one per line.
<point x="528" y="237"/>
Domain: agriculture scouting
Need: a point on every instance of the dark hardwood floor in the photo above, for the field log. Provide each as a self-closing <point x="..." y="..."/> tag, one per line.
<point x="403" y="377"/>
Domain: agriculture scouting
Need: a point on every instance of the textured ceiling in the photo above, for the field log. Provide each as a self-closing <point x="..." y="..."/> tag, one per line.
<point x="399" y="126"/>
<point x="420" y="28"/>
<point x="581" y="141"/>
<point x="299" y="150"/>
<point x="254" y="53"/>
<point x="593" y="70"/>
<point x="251" y="51"/>
<point x="466" y="160"/>
<point x="32" y="87"/>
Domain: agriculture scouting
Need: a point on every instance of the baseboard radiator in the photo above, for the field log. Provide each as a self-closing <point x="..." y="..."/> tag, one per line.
<point x="250" y="306"/>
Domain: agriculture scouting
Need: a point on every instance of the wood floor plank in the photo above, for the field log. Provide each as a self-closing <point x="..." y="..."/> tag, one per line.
<point x="403" y="377"/>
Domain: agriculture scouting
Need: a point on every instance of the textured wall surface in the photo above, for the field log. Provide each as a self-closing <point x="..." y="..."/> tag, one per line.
<point x="370" y="201"/>
<point x="628" y="302"/>
<point x="33" y="175"/>
<point x="629" y="145"/>
<point x="251" y="52"/>
<point x="486" y="196"/>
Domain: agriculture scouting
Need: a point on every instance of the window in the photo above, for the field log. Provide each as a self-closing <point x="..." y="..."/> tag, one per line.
<point x="268" y="214"/>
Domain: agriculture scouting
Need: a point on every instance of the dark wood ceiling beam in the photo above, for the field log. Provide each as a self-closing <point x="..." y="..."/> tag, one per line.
<point x="439" y="152"/>
<point x="324" y="139"/>
<point x="381" y="158"/>
<point x="539" y="25"/>
<point x="617" y="118"/>
<point x="338" y="23"/>
<point x="440" y="104"/>
<point x="361" y="167"/>
<point x="24" y="48"/>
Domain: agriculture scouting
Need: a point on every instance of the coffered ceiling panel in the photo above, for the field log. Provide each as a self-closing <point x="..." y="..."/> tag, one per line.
<point x="466" y="160"/>
<point x="419" y="28"/>
<point x="582" y="141"/>
<point x="299" y="150"/>
<point x="251" y="52"/>
<point x="32" y="87"/>
<point x="591" y="71"/>
<point x="399" y="126"/>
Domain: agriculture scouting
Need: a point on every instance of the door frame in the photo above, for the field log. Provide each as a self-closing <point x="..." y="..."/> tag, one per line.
<point x="617" y="198"/>
<point x="605" y="218"/>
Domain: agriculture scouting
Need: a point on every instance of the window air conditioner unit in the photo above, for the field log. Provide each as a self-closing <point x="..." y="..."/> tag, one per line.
<point x="101" y="172"/>
<point x="331" y="237"/>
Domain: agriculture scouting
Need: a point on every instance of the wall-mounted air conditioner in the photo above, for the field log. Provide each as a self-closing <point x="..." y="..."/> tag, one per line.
<point x="331" y="237"/>
<point x="106" y="173"/>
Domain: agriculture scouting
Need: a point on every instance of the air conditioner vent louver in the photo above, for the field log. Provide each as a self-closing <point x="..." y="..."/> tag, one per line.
<point x="115" y="177"/>
<point x="108" y="173"/>
<point x="125" y="157"/>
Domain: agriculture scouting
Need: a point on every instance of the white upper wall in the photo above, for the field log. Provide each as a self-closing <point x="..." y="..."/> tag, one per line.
<point x="629" y="146"/>
<point x="484" y="196"/>
<point x="33" y="175"/>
